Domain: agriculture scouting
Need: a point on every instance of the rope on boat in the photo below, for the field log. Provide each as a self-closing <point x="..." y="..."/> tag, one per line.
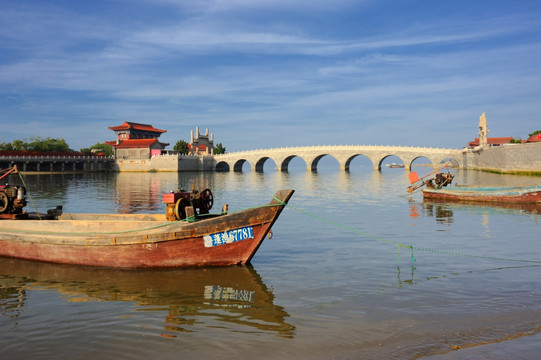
<point x="410" y="247"/>
<point x="169" y="223"/>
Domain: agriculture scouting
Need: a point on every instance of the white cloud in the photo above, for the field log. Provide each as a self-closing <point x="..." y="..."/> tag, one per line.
<point x="237" y="66"/>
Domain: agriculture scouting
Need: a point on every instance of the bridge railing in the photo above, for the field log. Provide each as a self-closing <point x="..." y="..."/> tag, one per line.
<point x="345" y="147"/>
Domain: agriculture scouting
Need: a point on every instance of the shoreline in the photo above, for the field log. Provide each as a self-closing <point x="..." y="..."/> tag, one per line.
<point x="518" y="346"/>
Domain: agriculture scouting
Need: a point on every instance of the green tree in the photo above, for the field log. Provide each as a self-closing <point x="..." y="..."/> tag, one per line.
<point x="535" y="133"/>
<point x="98" y="148"/>
<point x="39" y="144"/>
<point x="182" y="147"/>
<point x="18" y="145"/>
<point x="6" y="146"/>
<point x="515" y="141"/>
<point x="219" y="149"/>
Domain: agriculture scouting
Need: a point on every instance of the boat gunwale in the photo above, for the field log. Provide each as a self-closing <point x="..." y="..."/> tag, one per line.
<point x="474" y="191"/>
<point x="180" y="230"/>
<point x="528" y="188"/>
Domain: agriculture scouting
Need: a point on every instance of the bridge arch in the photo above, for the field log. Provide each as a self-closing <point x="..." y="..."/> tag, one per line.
<point x="314" y="161"/>
<point x="222" y="166"/>
<point x="347" y="164"/>
<point x="259" y="165"/>
<point x="380" y="161"/>
<point x="410" y="165"/>
<point x="237" y="167"/>
<point x="282" y="164"/>
<point x="454" y="162"/>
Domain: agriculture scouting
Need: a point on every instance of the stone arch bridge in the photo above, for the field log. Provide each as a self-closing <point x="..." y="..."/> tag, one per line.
<point x="344" y="154"/>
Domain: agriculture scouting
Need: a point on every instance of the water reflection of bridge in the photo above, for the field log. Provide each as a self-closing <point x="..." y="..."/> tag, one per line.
<point x="343" y="154"/>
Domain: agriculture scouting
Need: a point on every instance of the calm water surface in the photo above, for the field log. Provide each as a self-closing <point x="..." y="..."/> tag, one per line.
<point x="329" y="284"/>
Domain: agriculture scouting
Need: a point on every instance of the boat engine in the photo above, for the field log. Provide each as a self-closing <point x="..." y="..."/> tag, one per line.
<point x="443" y="179"/>
<point x="12" y="199"/>
<point x="182" y="204"/>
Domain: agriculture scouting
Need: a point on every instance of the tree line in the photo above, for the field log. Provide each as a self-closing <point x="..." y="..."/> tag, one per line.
<point x="182" y="147"/>
<point x="37" y="144"/>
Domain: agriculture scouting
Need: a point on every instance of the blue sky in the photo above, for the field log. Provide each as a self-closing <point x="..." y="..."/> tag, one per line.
<point x="271" y="73"/>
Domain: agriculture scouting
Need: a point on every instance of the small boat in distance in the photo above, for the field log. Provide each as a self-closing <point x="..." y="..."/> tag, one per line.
<point x="187" y="235"/>
<point x="438" y="188"/>
<point x="493" y="194"/>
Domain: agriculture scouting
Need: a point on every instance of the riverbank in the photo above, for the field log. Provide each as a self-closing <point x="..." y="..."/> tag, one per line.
<point x="519" y="347"/>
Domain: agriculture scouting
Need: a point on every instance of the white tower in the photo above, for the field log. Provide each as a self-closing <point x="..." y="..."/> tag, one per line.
<point x="483" y="131"/>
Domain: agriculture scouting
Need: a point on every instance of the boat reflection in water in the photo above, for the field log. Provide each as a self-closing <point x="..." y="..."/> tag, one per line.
<point x="499" y="208"/>
<point x="440" y="211"/>
<point x="234" y="295"/>
<point x="443" y="211"/>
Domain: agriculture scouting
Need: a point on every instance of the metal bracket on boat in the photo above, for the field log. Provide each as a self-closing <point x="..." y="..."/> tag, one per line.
<point x="54" y="213"/>
<point x="438" y="181"/>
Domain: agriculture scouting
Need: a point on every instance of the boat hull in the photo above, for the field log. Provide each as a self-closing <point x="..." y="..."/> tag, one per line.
<point x="142" y="241"/>
<point x="495" y="194"/>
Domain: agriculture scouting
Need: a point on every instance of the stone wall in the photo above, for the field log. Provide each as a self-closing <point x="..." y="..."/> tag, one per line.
<point x="133" y="153"/>
<point x="196" y="163"/>
<point x="167" y="163"/>
<point x="518" y="158"/>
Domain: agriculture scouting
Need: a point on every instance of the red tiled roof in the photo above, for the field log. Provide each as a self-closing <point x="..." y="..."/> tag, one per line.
<point x="200" y="147"/>
<point x="534" y="138"/>
<point x="492" y="141"/>
<point x="131" y="125"/>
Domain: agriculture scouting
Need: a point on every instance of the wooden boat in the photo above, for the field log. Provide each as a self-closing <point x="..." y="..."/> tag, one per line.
<point x="438" y="188"/>
<point x="494" y="194"/>
<point x="187" y="235"/>
<point x="448" y="207"/>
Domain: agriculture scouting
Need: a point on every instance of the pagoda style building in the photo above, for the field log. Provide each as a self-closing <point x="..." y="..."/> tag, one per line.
<point x="136" y="141"/>
<point x="137" y="148"/>
<point x="201" y="144"/>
